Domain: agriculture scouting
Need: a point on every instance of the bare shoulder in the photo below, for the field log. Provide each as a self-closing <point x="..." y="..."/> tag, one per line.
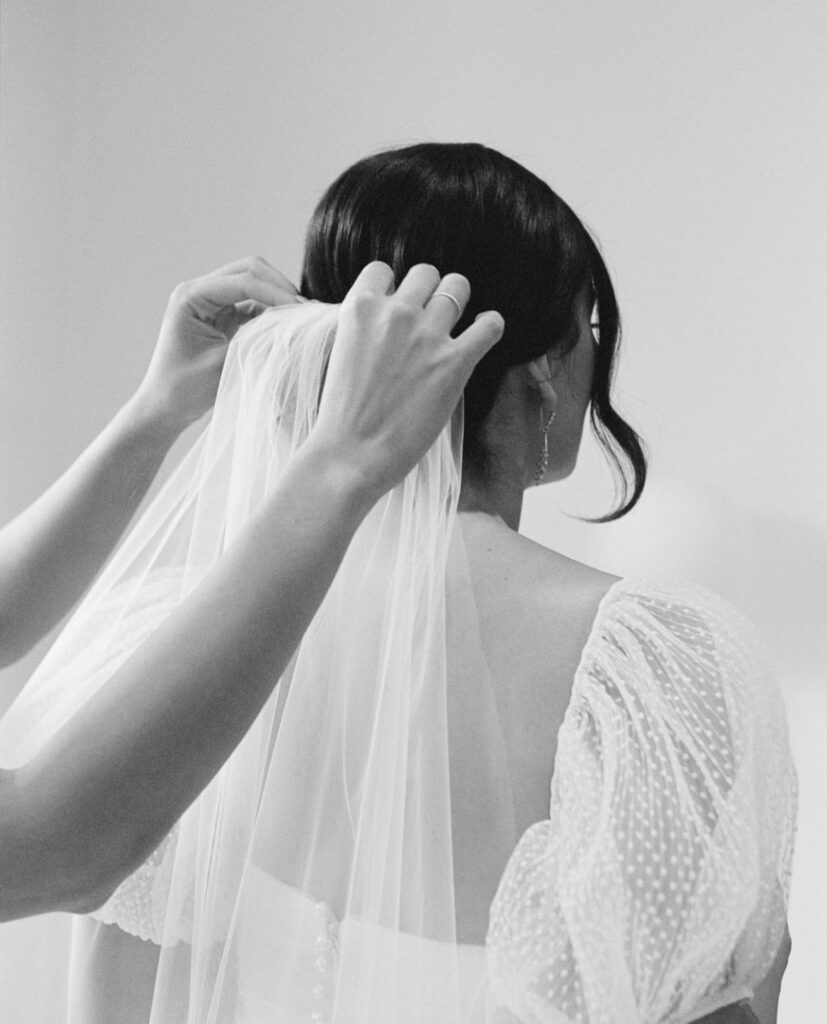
<point x="507" y="559"/>
<point x="530" y="592"/>
<point x="563" y="581"/>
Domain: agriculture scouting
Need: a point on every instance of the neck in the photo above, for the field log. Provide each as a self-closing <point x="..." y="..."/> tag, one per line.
<point x="499" y="496"/>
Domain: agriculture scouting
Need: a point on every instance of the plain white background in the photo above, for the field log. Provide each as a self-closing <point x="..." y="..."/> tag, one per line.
<point x="146" y="143"/>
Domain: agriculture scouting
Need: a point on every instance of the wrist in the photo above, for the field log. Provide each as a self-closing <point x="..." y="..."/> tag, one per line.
<point x="340" y="471"/>
<point x="151" y="420"/>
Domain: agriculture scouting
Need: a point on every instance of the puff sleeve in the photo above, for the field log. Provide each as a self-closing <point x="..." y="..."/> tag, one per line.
<point x="656" y="891"/>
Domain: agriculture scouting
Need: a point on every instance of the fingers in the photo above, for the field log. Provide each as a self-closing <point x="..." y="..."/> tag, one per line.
<point x="250" y="308"/>
<point x="444" y="298"/>
<point x="422" y="285"/>
<point x="258" y="267"/>
<point x="207" y="294"/>
<point x="448" y="301"/>
<point x="375" y="278"/>
<point x="229" y="318"/>
<point x="234" y="293"/>
<point x="481" y="336"/>
<point x="419" y="284"/>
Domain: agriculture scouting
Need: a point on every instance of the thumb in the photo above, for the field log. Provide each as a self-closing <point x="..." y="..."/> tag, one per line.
<point x="230" y="318"/>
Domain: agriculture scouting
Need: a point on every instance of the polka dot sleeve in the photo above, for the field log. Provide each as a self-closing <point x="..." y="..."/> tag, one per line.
<point x="657" y="889"/>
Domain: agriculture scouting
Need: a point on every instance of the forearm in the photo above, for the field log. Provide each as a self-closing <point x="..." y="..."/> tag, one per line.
<point x="765" y="1000"/>
<point x="53" y="550"/>
<point x="96" y="801"/>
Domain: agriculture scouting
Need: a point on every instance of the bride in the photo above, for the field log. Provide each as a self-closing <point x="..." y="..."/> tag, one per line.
<point x="494" y="784"/>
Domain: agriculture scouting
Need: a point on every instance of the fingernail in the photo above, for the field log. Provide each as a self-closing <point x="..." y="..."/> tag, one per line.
<point x="490" y="313"/>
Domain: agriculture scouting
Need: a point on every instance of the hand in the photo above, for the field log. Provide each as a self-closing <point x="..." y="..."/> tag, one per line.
<point x="200" y="320"/>
<point x="395" y="373"/>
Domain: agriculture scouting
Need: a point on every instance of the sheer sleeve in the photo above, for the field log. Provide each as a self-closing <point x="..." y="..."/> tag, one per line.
<point x="139" y="904"/>
<point x="657" y="889"/>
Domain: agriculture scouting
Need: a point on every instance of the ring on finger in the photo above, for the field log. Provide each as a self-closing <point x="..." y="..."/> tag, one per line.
<point x="453" y="299"/>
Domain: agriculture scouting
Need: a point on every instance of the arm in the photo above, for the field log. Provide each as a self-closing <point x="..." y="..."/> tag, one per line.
<point x="765" y="1000"/>
<point x="169" y="719"/>
<point x="53" y="550"/>
<point x="94" y="803"/>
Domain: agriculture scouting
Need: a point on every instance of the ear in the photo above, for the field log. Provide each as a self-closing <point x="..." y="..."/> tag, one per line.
<point x="540" y="374"/>
<point x="539" y="370"/>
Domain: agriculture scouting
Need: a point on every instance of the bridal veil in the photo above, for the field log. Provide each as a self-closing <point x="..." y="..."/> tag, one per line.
<point x="321" y="875"/>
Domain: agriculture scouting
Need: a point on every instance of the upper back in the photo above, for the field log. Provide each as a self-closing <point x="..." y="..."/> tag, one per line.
<point x="534" y="612"/>
<point x="536" y="609"/>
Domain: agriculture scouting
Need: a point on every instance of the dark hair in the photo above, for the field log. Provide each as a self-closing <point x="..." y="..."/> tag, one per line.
<point x="468" y="209"/>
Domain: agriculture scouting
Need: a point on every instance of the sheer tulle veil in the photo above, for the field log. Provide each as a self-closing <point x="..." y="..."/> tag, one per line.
<point x="338" y="800"/>
<point x="333" y="869"/>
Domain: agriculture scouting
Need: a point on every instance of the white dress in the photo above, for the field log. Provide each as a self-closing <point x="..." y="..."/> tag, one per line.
<point x="312" y="977"/>
<point x="656" y="889"/>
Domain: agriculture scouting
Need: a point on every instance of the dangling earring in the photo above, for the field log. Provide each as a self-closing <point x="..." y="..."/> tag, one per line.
<point x="542" y="458"/>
